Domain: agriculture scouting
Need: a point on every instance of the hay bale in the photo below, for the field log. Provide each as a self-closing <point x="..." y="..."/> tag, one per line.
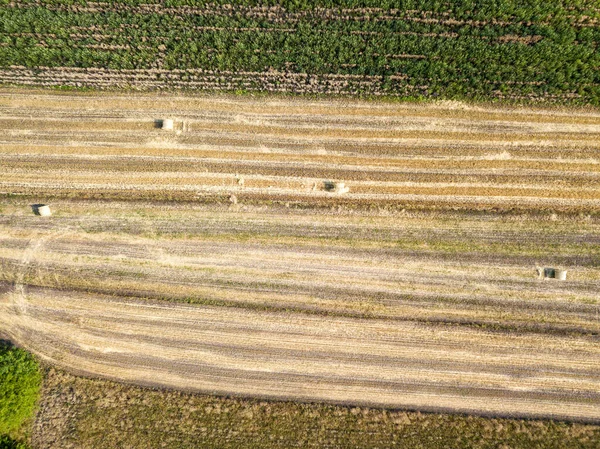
<point x="336" y="187"/>
<point x="164" y="123"/>
<point x="561" y="275"/>
<point x="43" y="210"/>
<point x="555" y="273"/>
<point x="340" y="187"/>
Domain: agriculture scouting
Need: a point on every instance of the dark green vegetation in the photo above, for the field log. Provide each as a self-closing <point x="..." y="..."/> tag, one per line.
<point x="20" y="380"/>
<point x="7" y="442"/>
<point x="95" y="413"/>
<point x="524" y="50"/>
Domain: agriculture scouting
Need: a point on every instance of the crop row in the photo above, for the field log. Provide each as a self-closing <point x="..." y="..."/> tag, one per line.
<point x="582" y="16"/>
<point x="250" y="81"/>
<point x="272" y="81"/>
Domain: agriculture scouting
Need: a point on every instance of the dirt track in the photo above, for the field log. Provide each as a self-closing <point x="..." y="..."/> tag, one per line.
<point x="171" y="283"/>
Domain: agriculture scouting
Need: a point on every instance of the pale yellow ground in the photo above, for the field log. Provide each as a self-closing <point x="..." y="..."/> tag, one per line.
<point x="174" y="282"/>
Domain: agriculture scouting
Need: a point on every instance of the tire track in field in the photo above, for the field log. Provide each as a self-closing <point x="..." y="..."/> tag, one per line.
<point x="286" y="356"/>
<point x="342" y="279"/>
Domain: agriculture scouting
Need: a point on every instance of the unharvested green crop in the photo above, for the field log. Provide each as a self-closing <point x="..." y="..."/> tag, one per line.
<point x="531" y="50"/>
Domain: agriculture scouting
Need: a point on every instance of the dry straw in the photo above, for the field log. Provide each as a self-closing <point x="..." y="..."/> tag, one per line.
<point x="164" y="124"/>
<point x="43" y="210"/>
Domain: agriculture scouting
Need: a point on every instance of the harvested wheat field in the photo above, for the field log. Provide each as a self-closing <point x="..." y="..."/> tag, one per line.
<point x="216" y="257"/>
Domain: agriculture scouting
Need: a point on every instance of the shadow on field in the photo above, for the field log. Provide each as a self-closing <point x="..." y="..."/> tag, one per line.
<point x="8" y="443"/>
<point x="35" y="208"/>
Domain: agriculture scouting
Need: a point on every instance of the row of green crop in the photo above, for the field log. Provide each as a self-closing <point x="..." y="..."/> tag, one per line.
<point x="451" y="59"/>
<point x="526" y="10"/>
<point x="41" y="20"/>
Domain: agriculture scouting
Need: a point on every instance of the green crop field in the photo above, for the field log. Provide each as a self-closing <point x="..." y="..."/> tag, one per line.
<point x="517" y="50"/>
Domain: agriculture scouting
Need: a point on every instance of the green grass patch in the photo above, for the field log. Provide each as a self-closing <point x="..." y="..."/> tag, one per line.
<point x="20" y="380"/>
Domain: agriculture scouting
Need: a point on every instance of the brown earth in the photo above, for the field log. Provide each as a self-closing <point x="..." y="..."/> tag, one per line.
<point x="82" y="413"/>
<point x="212" y="258"/>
